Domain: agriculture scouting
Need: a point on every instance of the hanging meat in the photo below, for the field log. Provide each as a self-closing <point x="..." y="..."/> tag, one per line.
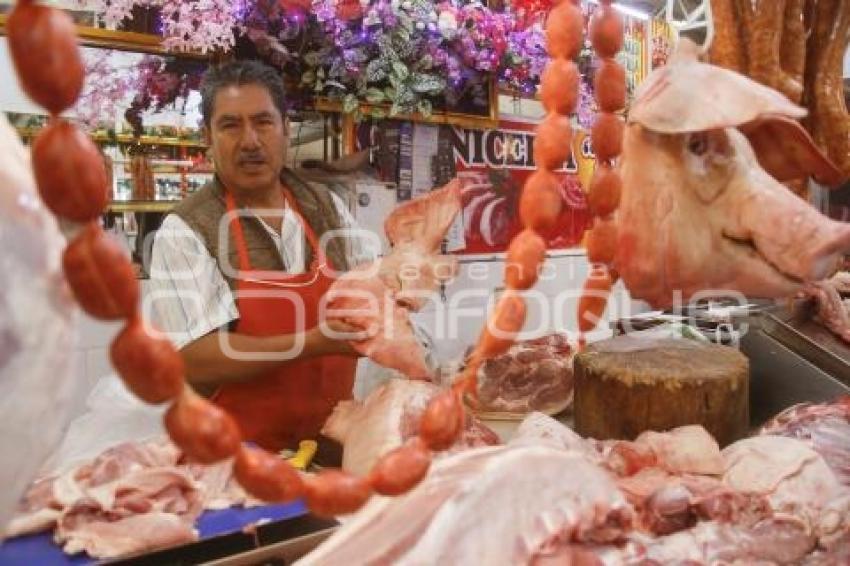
<point x="796" y="47"/>
<point x="141" y="174"/>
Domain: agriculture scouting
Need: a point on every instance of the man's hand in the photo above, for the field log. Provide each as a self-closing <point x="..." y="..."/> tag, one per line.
<point x="334" y="337"/>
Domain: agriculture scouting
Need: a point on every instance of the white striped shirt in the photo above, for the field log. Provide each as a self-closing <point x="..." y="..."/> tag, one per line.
<point x="188" y="297"/>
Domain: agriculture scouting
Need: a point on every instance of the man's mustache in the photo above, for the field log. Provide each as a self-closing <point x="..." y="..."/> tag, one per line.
<point x="251" y="158"/>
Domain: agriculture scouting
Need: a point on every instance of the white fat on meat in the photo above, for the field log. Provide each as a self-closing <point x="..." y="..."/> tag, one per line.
<point x="770" y="542"/>
<point x="385" y="420"/>
<point x="484" y="506"/>
<point x="825" y="427"/>
<point x="793" y="477"/>
<point x="37" y="327"/>
<point x="684" y="450"/>
<point x="128" y="536"/>
<point x="130" y="485"/>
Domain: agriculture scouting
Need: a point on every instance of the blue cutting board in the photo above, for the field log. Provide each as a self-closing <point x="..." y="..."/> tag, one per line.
<point x="40" y="550"/>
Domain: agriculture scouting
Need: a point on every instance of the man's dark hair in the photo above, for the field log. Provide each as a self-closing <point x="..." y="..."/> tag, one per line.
<point x="238" y="73"/>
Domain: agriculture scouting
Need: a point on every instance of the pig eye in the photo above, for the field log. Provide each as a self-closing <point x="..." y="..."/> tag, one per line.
<point x="698" y="144"/>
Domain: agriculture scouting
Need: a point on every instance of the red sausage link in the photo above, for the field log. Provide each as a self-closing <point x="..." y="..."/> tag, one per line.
<point x="100" y="275"/>
<point x="526" y="254"/>
<point x="442" y="421"/>
<point x="266" y="476"/>
<point x="401" y="469"/>
<point x="205" y="432"/>
<point x="606" y="136"/>
<point x="564" y="31"/>
<point x="553" y="142"/>
<point x="334" y="492"/>
<point x="594" y="298"/>
<point x="602" y="242"/>
<point x="609" y="86"/>
<point x="148" y="363"/>
<point x="70" y="172"/>
<point x="504" y="324"/>
<point x="43" y="44"/>
<point x="605" y="188"/>
<point x="606" y="32"/>
<point x="559" y="86"/>
<point x="540" y="204"/>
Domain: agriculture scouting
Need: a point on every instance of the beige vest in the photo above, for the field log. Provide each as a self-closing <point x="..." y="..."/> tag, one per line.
<point x="203" y="212"/>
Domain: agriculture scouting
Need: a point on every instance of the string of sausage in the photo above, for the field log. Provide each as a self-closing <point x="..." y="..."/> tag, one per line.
<point x="606" y="35"/>
<point x="72" y="181"/>
<point x="42" y="42"/>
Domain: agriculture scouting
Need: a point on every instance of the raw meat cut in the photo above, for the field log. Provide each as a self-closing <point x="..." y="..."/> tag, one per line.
<point x="706" y="216"/>
<point x="665" y="498"/>
<point x="794" y="478"/>
<point x="37" y="324"/>
<point x="97" y="506"/>
<point x="363" y="301"/>
<point x="772" y="541"/>
<point x="484" y="506"/>
<point x="386" y="419"/>
<point x="376" y="297"/>
<point x="825" y="427"/>
<point x="533" y="375"/>
<point x="831" y="310"/>
<point x="129" y="535"/>
<point x="683" y="450"/>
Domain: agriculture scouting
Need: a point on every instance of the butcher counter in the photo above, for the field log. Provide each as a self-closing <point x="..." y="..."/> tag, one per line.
<point x="792" y="359"/>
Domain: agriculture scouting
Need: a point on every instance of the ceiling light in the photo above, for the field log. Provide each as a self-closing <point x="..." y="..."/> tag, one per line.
<point x="635" y="13"/>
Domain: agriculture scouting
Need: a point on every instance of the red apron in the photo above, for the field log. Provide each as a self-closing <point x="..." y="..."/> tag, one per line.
<point x="279" y="408"/>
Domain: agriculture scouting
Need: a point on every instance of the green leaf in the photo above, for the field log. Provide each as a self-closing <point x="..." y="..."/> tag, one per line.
<point x="320" y="72"/>
<point x="374" y="95"/>
<point x="406" y="22"/>
<point x="378" y="113"/>
<point x="427" y="84"/>
<point x="405" y="95"/>
<point x="425" y="107"/>
<point x="425" y="63"/>
<point x="395" y="109"/>
<point x="400" y="70"/>
<point x="350" y="103"/>
<point x="309" y="77"/>
<point x="376" y="71"/>
<point x="390" y="93"/>
<point x="312" y="59"/>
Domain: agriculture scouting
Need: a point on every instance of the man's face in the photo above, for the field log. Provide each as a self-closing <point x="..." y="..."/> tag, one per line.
<point x="248" y="137"/>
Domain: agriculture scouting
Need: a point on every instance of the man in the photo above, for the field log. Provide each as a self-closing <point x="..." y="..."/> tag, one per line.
<point x="237" y="266"/>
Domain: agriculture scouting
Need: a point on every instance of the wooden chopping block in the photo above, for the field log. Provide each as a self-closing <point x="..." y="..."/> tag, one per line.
<point x="626" y="385"/>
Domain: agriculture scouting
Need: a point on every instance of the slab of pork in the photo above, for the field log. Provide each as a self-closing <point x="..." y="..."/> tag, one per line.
<point x="377" y="297"/>
<point x="37" y="325"/>
<point x="497" y="505"/>
<point x="386" y="419"/>
<point x="825" y="427"/>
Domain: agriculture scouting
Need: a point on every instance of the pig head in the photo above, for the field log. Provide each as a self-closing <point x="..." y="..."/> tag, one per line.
<point x="702" y="208"/>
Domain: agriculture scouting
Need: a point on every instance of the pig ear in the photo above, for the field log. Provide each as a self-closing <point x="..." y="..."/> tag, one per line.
<point x="786" y="151"/>
<point x="425" y="219"/>
<point x="688" y="96"/>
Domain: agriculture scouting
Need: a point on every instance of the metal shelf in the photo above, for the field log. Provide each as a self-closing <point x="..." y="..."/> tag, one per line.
<point x="141" y="205"/>
<point x="128" y="139"/>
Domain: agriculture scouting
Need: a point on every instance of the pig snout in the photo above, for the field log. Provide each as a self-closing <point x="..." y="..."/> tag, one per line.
<point x="790" y="234"/>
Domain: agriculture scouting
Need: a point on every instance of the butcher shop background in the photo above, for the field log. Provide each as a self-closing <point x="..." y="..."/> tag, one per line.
<point x="415" y="158"/>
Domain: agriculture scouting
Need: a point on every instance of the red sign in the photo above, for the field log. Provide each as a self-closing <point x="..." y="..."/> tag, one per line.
<point x="496" y="164"/>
